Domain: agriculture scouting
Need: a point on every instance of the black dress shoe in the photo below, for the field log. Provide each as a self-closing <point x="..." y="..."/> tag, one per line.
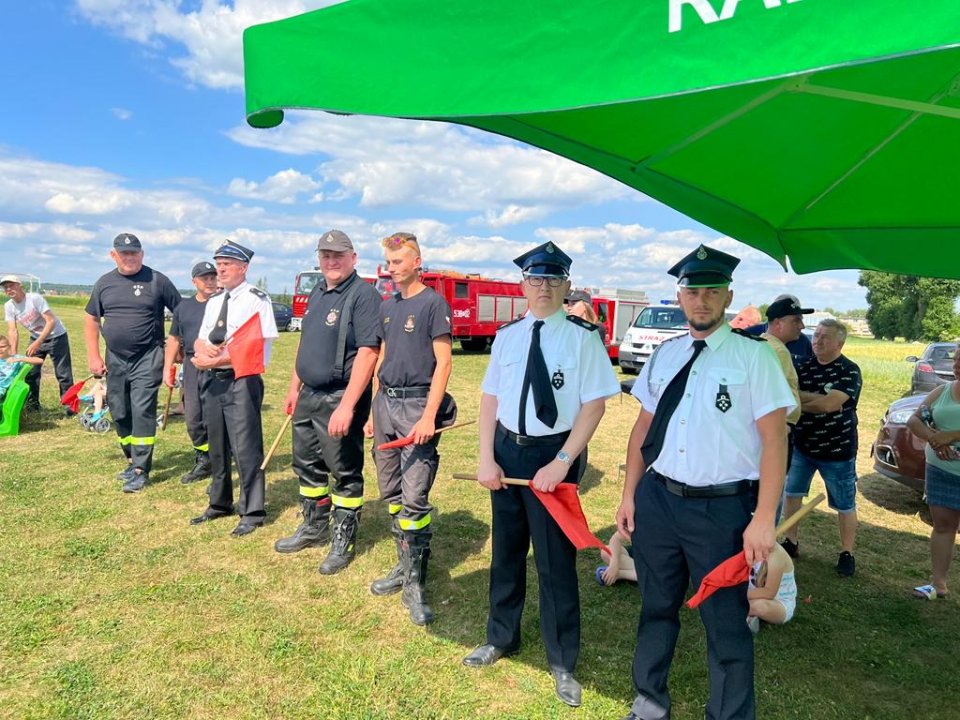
<point x="568" y="689"/>
<point x="486" y="655"/>
<point x="245" y="528"/>
<point x="209" y="515"/>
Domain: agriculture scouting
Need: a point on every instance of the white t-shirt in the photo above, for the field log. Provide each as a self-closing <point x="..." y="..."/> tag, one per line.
<point x="30" y="312"/>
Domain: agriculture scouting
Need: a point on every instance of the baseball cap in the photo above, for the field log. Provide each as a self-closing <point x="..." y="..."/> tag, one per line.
<point x="203" y="268"/>
<point x="784" y="306"/>
<point x="9" y="279"/>
<point x="577" y="296"/>
<point x="335" y="241"/>
<point x="127" y="242"/>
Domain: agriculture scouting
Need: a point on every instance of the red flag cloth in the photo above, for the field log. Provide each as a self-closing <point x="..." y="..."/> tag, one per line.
<point x="563" y="504"/>
<point x="71" y="398"/>
<point x="732" y="571"/>
<point x="398" y="443"/>
<point x="173" y="375"/>
<point x="246" y="348"/>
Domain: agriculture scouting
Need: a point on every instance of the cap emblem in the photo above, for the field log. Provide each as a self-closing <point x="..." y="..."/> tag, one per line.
<point x="701" y="253"/>
<point x="549" y="248"/>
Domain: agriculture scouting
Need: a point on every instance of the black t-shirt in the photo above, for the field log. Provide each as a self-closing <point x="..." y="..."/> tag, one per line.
<point x="829" y="436"/>
<point x="409" y="327"/>
<point x="187" y="317"/>
<point x="321" y="330"/>
<point x="132" y="310"/>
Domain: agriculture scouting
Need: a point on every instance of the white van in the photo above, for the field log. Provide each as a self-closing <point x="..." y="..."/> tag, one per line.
<point x="654" y="325"/>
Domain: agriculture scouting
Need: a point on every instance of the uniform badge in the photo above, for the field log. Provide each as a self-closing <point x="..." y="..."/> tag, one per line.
<point x="723" y="401"/>
<point x="557" y="379"/>
<point x="332" y="317"/>
<point x="701" y="253"/>
<point x="219" y="323"/>
<point x="137" y="289"/>
<point x="410" y="324"/>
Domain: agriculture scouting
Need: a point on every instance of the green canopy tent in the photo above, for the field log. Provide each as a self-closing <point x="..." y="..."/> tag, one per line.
<point x="823" y="131"/>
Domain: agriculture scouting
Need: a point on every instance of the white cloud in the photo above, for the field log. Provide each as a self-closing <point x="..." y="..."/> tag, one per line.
<point x="210" y="36"/>
<point x="121" y="113"/>
<point x="284" y="187"/>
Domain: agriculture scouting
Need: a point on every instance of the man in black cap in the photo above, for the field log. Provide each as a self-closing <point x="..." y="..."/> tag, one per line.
<point x="800" y="347"/>
<point x="187" y="318"/>
<point x="329" y="398"/>
<point x="130" y="302"/>
<point x="410" y="400"/>
<point x="231" y="405"/>
<point x="536" y="417"/>
<point x="708" y="447"/>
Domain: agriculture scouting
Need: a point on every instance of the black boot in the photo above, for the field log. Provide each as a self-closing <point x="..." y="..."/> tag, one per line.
<point x="393" y="581"/>
<point x="314" y="531"/>
<point x="201" y="468"/>
<point x="414" y="596"/>
<point x="345" y="524"/>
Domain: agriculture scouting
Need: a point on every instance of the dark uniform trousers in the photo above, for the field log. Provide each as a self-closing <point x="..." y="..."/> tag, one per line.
<point x="231" y="410"/>
<point x="316" y="455"/>
<point x="57" y="348"/>
<point x="675" y="540"/>
<point x="405" y="474"/>
<point x="518" y="518"/>
<point x="132" y="396"/>
<point x="193" y="405"/>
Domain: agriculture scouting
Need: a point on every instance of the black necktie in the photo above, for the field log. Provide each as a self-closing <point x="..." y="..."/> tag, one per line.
<point x="536" y="377"/>
<point x="653" y="443"/>
<point x="219" y="332"/>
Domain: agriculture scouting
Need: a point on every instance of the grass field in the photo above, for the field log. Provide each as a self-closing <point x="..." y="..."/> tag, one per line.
<point x="112" y="606"/>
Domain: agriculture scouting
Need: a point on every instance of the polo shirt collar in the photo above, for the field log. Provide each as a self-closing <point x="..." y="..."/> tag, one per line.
<point x="344" y="285"/>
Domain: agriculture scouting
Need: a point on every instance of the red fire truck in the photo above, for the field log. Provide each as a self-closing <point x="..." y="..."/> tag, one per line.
<point x="616" y="310"/>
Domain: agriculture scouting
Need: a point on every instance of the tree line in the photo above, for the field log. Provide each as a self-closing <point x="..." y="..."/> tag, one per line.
<point x="911" y="307"/>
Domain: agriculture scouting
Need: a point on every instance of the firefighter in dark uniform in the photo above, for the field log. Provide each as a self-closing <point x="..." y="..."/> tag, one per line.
<point x="410" y="399"/>
<point x="544" y="394"/>
<point x="338" y="350"/>
<point x="231" y="405"/>
<point x="708" y="447"/>
<point x="126" y="307"/>
<point x="183" y="334"/>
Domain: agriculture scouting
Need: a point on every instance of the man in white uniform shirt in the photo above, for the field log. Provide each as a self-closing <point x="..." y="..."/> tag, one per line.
<point x="544" y="394"/>
<point x="708" y="448"/>
<point x="231" y="405"/>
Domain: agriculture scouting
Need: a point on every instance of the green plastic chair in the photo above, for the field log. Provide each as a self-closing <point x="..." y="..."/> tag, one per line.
<point x="13" y="403"/>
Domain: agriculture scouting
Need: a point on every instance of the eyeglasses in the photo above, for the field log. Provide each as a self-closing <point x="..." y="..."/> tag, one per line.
<point x="553" y="281"/>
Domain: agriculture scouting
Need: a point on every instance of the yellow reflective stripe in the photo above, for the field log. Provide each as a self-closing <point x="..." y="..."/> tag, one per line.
<point x="142" y="440"/>
<point x="345" y="502"/>
<point x="126" y="440"/>
<point x="313" y="492"/>
<point x="414" y="524"/>
<point x="395" y="508"/>
<point x="202" y="448"/>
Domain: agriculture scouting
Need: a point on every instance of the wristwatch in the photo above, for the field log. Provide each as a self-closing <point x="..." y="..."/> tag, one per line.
<point x="564" y="458"/>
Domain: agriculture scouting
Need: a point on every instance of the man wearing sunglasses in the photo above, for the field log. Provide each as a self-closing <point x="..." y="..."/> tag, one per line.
<point x="543" y="396"/>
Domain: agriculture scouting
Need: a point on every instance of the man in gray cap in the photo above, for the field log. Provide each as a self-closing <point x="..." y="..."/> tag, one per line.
<point x="48" y="336"/>
<point x="329" y="398"/>
<point x="231" y="405"/>
<point x="187" y="318"/>
<point x="708" y="447"/>
<point x="536" y="418"/>
<point x="126" y="307"/>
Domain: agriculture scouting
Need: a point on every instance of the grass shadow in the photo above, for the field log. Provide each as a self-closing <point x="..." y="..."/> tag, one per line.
<point x="893" y="496"/>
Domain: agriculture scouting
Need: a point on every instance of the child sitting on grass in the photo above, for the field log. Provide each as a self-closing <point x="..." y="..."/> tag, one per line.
<point x="772" y="590"/>
<point x="10" y="365"/>
<point x="619" y="564"/>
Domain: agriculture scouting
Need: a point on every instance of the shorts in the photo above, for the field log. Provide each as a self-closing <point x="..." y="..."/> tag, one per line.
<point x="840" y="477"/>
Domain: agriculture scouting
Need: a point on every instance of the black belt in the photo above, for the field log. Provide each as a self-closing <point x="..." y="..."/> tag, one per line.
<point x="527" y="440"/>
<point x="222" y="373"/>
<point x="707" y="491"/>
<point x="419" y="391"/>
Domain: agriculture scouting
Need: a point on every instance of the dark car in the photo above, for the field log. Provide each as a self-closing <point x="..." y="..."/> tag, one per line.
<point x="897" y="452"/>
<point x="282" y="315"/>
<point x="934" y="367"/>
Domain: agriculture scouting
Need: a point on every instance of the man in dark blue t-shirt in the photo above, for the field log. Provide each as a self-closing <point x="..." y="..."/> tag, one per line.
<point x="126" y="307"/>
<point x="187" y="318"/>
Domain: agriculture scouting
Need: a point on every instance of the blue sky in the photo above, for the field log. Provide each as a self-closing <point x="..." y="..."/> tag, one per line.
<point x="128" y="115"/>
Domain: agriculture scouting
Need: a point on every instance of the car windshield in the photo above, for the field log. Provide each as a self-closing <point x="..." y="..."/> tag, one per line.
<point x="661" y="318"/>
<point x="306" y="282"/>
<point x="943" y="352"/>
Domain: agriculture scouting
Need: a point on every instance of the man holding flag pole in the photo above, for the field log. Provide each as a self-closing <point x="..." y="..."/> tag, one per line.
<point x="232" y="350"/>
<point x="544" y="394"/>
<point x="708" y="448"/>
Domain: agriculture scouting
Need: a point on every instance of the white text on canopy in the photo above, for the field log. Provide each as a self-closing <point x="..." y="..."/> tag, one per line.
<point x="708" y="15"/>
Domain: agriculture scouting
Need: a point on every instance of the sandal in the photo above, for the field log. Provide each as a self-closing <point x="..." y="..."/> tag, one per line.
<point x="928" y="592"/>
<point x="599" y="575"/>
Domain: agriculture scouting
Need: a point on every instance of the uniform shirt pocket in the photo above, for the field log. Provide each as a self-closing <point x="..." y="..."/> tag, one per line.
<point x="727" y="387"/>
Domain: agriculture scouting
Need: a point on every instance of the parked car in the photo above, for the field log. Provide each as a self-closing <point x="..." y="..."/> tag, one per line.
<point x="934" y="367"/>
<point x="897" y="452"/>
<point x="282" y="315"/>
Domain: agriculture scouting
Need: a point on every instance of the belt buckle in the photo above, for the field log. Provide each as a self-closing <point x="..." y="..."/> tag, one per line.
<point x="391" y="392"/>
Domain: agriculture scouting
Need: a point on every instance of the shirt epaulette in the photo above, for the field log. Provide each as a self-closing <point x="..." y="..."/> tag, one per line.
<point x="259" y="293"/>
<point x="512" y="322"/>
<point x="585" y="324"/>
<point x="745" y="334"/>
